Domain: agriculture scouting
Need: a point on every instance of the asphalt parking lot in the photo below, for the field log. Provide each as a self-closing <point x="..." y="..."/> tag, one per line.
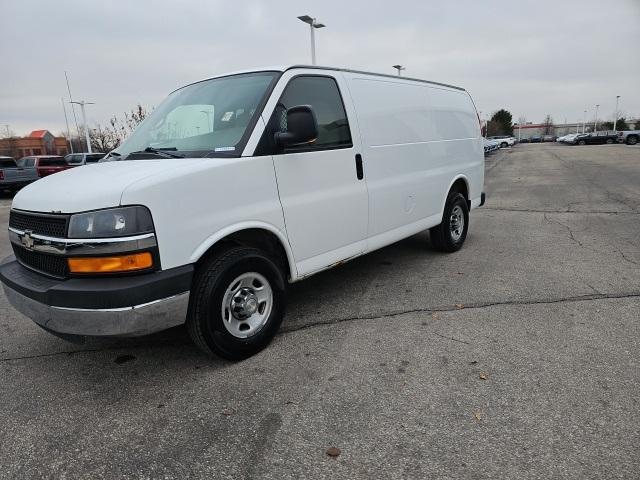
<point x="517" y="357"/>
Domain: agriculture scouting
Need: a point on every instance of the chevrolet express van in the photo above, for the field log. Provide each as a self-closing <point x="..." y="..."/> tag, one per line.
<point x="234" y="187"/>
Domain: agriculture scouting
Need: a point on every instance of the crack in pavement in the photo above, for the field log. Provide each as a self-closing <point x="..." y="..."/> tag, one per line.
<point x="587" y="212"/>
<point x="452" y="308"/>
<point x="571" y="235"/>
<point x="472" y="306"/>
<point x="580" y="173"/>
<point x="451" y="338"/>
<point x="575" y="240"/>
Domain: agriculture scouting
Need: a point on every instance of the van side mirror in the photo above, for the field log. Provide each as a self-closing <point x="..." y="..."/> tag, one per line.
<point x="302" y="127"/>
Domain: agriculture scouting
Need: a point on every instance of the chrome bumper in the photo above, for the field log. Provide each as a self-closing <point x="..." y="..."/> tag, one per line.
<point x="131" y="321"/>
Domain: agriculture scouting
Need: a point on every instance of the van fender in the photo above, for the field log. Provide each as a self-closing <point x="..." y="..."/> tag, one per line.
<point x="237" y="227"/>
<point x="455" y="179"/>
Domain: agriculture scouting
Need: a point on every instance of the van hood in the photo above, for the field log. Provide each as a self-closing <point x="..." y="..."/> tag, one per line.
<point x="92" y="187"/>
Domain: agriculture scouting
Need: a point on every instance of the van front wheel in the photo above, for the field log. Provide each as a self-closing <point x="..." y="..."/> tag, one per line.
<point x="238" y="303"/>
<point x="452" y="232"/>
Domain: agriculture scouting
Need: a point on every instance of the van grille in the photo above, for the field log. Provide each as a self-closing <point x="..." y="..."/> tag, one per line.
<point x="52" y="265"/>
<point x="42" y="224"/>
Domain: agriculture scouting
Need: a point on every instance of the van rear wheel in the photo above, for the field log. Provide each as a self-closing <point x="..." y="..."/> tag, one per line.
<point x="450" y="235"/>
<point x="237" y="304"/>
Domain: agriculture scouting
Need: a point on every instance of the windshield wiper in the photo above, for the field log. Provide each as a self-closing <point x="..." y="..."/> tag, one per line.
<point x="161" y="151"/>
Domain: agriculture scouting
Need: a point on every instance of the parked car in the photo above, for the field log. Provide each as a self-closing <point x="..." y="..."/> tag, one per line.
<point x="13" y="177"/>
<point x="44" y="164"/>
<point x="505" y="140"/>
<point x="536" y="139"/>
<point x="325" y="150"/>
<point x="78" y="159"/>
<point x="523" y="140"/>
<point x="548" y="138"/>
<point x="630" y="137"/>
<point x="596" y="138"/>
<point x="490" y="145"/>
<point x="567" y="138"/>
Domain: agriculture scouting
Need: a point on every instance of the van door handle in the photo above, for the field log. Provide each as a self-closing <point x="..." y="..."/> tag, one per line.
<point x="359" y="172"/>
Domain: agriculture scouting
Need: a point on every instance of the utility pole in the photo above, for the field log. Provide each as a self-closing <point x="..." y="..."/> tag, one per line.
<point x="615" y="120"/>
<point x="82" y="103"/>
<point x="73" y="110"/>
<point x="399" y="68"/>
<point x="67" y="122"/>
<point x="584" y="121"/>
<point x="313" y="24"/>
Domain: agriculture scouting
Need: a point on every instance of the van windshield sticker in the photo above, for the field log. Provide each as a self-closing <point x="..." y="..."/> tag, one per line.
<point x="226" y="117"/>
<point x="225" y="149"/>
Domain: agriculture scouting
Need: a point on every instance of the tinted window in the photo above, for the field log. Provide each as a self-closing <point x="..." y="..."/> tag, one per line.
<point x="52" y="162"/>
<point x="74" y="159"/>
<point x="26" y="162"/>
<point x="324" y="97"/>
<point x="7" y="163"/>
<point x="94" y="157"/>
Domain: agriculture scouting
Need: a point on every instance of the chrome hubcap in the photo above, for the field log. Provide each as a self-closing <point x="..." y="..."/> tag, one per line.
<point x="456" y="223"/>
<point x="247" y="304"/>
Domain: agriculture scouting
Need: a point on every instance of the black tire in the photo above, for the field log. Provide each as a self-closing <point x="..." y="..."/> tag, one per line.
<point x="582" y="142"/>
<point x="632" y="139"/>
<point x="504" y="145"/>
<point x="609" y="141"/>
<point x="204" y="321"/>
<point x="442" y="238"/>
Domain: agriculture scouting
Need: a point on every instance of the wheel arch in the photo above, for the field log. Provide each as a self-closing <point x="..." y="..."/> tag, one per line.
<point x="256" y="234"/>
<point x="459" y="184"/>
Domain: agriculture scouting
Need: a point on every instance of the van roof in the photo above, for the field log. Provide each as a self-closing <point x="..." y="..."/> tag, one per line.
<point x="284" y="68"/>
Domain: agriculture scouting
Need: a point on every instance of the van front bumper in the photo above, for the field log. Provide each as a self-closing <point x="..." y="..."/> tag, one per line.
<point x="115" y="306"/>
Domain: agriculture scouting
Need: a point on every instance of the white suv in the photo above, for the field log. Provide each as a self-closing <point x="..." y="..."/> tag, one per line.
<point x="235" y="186"/>
<point x="504" y="140"/>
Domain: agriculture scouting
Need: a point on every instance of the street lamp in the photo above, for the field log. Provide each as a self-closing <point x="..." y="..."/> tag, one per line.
<point x="82" y="103"/>
<point x="595" y="120"/>
<point x="313" y="24"/>
<point x="399" y="68"/>
<point x="615" y="120"/>
<point x="584" y="120"/>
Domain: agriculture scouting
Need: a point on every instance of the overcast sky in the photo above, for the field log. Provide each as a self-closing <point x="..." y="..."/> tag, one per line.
<point x="530" y="57"/>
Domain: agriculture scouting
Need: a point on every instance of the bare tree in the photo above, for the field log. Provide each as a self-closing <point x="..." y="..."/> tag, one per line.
<point x="547" y="125"/>
<point x="111" y="136"/>
<point x="104" y="139"/>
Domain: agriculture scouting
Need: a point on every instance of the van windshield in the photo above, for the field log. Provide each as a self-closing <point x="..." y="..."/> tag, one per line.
<point x="210" y="118"/>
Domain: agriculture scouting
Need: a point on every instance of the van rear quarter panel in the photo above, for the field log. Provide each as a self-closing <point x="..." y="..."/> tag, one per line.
<point x="417" y="139"/>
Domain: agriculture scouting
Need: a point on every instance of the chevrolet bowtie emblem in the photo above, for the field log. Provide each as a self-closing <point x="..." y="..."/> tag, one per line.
<point x="27" y="240"/>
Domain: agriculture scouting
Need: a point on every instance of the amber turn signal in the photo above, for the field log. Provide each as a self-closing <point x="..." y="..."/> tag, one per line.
<point x="124" y="263"/>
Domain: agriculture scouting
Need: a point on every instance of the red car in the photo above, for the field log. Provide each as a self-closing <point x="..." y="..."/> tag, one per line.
<point x="45" y="164"/>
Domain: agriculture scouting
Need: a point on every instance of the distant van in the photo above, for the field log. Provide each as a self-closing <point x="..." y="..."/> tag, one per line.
<point x="234" y="187"/>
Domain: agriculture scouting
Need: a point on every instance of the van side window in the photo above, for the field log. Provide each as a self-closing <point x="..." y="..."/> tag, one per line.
<point x="324" y="97"/>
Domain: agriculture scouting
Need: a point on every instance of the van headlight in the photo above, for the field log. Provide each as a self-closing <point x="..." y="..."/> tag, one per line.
<point x="110" y="223"/>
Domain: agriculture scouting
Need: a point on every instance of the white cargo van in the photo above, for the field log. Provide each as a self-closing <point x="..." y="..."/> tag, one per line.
<point x="235" y="186"/>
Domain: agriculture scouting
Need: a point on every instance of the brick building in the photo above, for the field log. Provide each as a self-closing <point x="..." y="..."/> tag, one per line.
<point x="38" y="142"/>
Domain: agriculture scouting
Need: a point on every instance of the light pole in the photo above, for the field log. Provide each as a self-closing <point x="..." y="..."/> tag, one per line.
<point x="313" y="24"/>
<point x="615" y="120"/>
<point x="67" y="122"/>
<point x="82" y="103"/>
<point x="399" y="68"/>
<point x="595" y="120"/>
<point x="584" y="121"/>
